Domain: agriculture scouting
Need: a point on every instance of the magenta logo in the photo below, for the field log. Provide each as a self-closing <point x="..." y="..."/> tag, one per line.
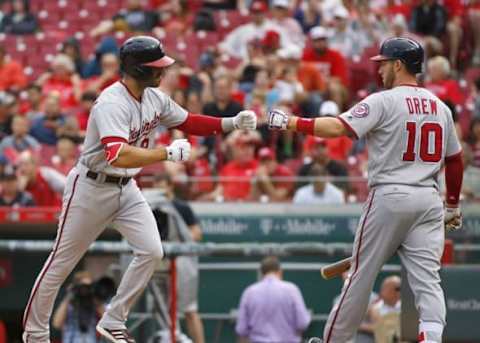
<point x="361" y="110"/>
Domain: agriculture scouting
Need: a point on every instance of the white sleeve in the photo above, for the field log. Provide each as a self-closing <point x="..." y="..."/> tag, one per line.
<point x="112" y="120"/>
<point x="171" y="113"/>
<point x="55" y="179"/>
<point x="364" y="116"/>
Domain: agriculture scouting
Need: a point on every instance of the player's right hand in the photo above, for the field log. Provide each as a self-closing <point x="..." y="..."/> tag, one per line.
<point x="453" y="218"/>
<point x="179" y="150"/>
<point x="277" y="120"/>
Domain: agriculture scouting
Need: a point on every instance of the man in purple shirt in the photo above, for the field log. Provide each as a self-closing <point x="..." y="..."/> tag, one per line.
<point x="272" y="310"/>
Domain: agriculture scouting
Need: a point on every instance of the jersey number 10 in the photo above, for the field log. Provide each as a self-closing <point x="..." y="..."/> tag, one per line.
<point x="427" y="131"/>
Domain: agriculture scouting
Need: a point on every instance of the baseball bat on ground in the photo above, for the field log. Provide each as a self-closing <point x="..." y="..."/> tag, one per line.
<point x="336" y="269"/>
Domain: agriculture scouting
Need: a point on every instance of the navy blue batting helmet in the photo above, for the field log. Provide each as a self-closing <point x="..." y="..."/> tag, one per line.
<point x="141" y="53"/>
<point x="408" y="51"/>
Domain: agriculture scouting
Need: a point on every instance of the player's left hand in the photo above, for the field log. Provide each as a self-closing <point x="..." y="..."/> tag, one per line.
<point x="179" y="150"/>
<point x="245" y="120"/>
<point x="453" y="218"/>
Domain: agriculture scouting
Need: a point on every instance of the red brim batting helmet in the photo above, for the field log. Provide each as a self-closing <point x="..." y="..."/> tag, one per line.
<point x="139" y="54"/>
<point x="406" y="50"/>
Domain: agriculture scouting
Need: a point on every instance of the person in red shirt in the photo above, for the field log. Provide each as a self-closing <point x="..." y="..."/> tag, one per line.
<point x="440" y="83"/>
<point x="45" y="184"/>
<point x="236" y="175"/>
<point x="330" y="62"/>
<point x="12" y="76"/>
<point x="86" y="104"/>
<point x="274" y="181"/>
<point x="64" y="80"/>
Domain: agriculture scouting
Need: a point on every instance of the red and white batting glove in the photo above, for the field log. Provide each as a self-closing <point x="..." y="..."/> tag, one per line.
<point x="277" y="120"/>
<point x="179" y="150"/>
<point x="453" y="218"/>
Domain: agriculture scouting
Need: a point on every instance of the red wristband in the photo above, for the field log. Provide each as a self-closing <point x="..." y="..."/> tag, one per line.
<point x="306" y="126"/>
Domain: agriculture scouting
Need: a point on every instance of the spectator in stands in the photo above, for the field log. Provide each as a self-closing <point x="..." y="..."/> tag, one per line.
<point x="32" y="107"/>
<point x="474" y="141"/>
<point x="319" y="191"/>
<point x="440" y="82"/>
<point x="273" y="181"/>
<point x="44" y="183"/>
<point x="10" y="194"/>
<point x="344" y="38"/>
<point x="276" y="302"/>
<point x="236" y="42"/>
<point x="71" y="48"/>
<point x="12" y="76"/>
<point x="134" y="18"/>
<point x="93" y="66"/>
<point x="281" y="17"/>
<point x="86" y="104"/>
<point x="20" y="20"/>
<point x="7" y="112"/>
<point x="63" y="80"/>
<point x="110" y="66"/>
<point x="476" y="98"/>
<point x="19" y="140"/>
<point x="188" y="292"/>
<point x="319" y="155"/>
<point x="471" y="176"/>
<point x="474" y="18"/>
<point x="66" y="155"/>
<point x="223" y="104"/>
<point x="329" y="61"/>
<point x="429" y="18"/>
<point x="225" y="4"/>
<point x="308" y="15"/>
<point x="237" y="173"/>
<point x="78" y="313"/>
<point x="45" y="128"/>
<point x="389" y="303"/>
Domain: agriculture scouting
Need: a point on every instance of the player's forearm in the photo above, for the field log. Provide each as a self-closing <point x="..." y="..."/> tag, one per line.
<point x="453" y="178"/>
<point x="133" y="157"/>
<point x="202" y="125"/>
<point x="321" y="127"/>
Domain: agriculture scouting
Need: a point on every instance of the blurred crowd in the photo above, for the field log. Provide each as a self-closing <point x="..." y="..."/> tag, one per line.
<point x="309" y="57"/>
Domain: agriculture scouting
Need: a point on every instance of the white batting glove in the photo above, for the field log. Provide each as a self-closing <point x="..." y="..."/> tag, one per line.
<point x="453" y="218"/>
<point x="245" y="120"/>
<point x="179" y="150"/>
<point x="277" y="120"/>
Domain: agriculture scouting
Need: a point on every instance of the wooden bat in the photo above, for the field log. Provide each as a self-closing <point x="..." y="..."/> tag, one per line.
<point x="336" y="269"/>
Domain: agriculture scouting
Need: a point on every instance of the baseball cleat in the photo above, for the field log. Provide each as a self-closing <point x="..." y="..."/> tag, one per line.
<point x="116" y="335"/>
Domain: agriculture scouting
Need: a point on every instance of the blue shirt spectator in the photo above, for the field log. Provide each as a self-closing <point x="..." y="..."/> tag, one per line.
<point x="276" y="302"/>
<point x="44" y="128"/>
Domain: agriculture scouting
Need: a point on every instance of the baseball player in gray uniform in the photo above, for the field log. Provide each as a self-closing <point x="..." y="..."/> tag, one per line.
<point x="410" y="135"/>
<point x="100" y="190"/>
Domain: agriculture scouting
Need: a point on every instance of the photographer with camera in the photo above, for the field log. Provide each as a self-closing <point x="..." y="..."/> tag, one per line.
<point x="78" y="313"/>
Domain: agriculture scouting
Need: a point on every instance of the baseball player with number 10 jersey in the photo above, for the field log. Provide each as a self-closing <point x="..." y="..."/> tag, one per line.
<point x="410" y="136"/>
<point x="100" y="190"/>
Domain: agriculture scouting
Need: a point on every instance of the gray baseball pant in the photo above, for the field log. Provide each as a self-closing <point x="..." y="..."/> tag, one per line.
<point x="88" y="207"/>
<point x="403" y="219"/>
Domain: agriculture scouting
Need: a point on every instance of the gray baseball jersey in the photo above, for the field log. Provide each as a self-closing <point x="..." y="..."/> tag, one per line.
<point x="117" y="116"/>
<point x="408" y="131"/>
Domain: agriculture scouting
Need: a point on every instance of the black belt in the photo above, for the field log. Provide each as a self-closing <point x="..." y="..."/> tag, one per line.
<point x="118" y="180"/>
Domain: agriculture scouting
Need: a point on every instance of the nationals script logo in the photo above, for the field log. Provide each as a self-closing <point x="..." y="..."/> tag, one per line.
<point x="361" y="110"/>
<point x="146" y="128"/>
